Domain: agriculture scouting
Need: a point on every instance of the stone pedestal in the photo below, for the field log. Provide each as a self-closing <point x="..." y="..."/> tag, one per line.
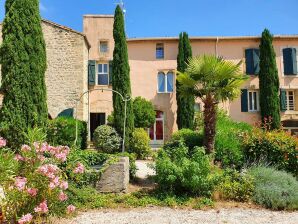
<point x="115" y="178"/>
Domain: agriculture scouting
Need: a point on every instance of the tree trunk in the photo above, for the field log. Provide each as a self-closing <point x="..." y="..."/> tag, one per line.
<point x="209" y="123"/>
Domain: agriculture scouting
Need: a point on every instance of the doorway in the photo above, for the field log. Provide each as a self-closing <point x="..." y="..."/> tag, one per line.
<point x="96" y="119"/>
<point x="156" y="132"/>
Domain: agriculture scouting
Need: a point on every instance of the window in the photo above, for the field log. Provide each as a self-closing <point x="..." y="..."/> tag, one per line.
<point x="103" y="46"/>
<point x="197" y="107"/>
<point x="102" y="74"/>
<point x="165" y="82"/>
<point x="290" y="61"/>
<point x="290" y="103"/>
<point x="252" y="61"/>
<point x="160" y="51"/>
<point x="253" y="101"/>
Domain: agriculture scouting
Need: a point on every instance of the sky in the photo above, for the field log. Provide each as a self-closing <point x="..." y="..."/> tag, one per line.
<point x="152" y="18"/>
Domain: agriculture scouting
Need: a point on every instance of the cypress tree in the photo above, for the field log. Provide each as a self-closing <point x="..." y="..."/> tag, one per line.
<point x="185" y="105"/>
<point x="269" y="82"/>
<point x="23" y="59"/>
<point x="121" y="77"/>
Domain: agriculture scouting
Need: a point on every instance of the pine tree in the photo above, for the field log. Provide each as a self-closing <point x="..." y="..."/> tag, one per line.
<point x="23" y="59"/>
<point x="121" y="77"/>
<point x="269" y="82"/>
<point x="185" y="105"/>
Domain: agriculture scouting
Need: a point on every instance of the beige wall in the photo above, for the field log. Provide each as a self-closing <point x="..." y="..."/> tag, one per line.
<point x="66" y="75"/>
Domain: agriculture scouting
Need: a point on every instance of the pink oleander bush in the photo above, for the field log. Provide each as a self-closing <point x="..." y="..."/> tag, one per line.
<point x="36" y="187"/>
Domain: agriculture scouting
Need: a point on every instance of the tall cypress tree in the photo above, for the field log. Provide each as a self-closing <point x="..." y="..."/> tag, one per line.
<point x="121" y="77"/>
<point x="185" y="105"/>
<point x="23" y="59"/>
<point x="269" y="82"/>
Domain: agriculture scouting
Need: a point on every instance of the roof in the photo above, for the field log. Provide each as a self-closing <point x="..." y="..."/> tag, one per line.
<point x="211" y="38"/>
<point x="67" y="29"/>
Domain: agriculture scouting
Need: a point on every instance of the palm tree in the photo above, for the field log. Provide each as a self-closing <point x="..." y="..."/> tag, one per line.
<point x="212" y="79"/>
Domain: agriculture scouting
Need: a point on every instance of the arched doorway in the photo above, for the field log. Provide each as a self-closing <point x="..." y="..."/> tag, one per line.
<point x="156" y="132"/>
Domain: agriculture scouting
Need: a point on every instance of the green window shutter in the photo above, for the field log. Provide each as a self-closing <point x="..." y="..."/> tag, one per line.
<point x="110" y="72"/>
<point x="252" y="58"/>
<point x="244" y="99"/>
<point x="283" y="100"/>
<point x="66" y="113"/>
<point x="290" y="61"/>
<point x="91" y="72"/>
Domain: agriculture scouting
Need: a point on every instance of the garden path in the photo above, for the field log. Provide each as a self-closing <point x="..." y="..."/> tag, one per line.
<point x="144" y="169"/>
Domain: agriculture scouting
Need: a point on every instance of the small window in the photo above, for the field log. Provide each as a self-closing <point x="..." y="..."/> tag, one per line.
<point x="103" y="74"/>
<point x="160" y="51"/>
<point x="290" y="103"/>
<point x="290" y="61"/>
<point x="197" y="107"/>
<point x="253" y="101"/>
<point x="165" y="82"/>
<point x="103" y="46"/>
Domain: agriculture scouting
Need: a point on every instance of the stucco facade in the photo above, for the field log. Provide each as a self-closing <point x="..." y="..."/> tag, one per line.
<point x="67" y="69"/>
<point x="145" y="68"/>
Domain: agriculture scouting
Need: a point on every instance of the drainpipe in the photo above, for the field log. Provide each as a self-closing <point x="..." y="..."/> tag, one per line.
<point x="216" y="46"/>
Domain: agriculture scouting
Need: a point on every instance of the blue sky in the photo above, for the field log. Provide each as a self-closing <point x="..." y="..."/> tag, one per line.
<point x="147" y="18"/>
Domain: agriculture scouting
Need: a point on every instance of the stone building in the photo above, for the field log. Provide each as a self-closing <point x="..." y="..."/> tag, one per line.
<point x="67" y="69"/>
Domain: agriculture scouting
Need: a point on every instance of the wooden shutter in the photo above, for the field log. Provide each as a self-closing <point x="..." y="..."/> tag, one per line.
<point x="290" y="61"/>
<point x="244" y="100"/>
<point x="283" y="100"/>
<point x="252" y="58"/>
<point x="91" y="72"/>
<point x="110" y="72"/>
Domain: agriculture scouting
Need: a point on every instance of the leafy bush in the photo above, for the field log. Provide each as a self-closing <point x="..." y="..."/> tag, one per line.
<point x="276" y="148"/>
<point x="35" y="186"/>
<point x="274" y="189"/>
<point x="107" y="139"/>
<point x="62" y="131"/>
<point x="178" y="172"/>
<point x="139" y="143"/>
<point x="235" y="186"/>
<point x="144" y="113"/>
<point x="189" y="137"/>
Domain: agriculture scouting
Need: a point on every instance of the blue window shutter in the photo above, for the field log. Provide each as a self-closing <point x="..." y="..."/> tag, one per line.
<point x="283" y="100"/>
<point x="91" y="72"/>
<point x="110" y="72"/>
<point x="252" y="58"/>
<point x="290" y="61"/>
<point x="244" y="99"/>
<point x="66" y="113"/>
<point x="256" y="61"/>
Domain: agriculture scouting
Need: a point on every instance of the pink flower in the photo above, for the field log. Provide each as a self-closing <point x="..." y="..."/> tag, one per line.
<point x="2" y="142"/>
<point x="41" y="158"/>
<point x="25" y="219"/>
<point x="26" y="148"/>
<point x="20" y="183"/>
<point x="18" y="157"/>
<point x="70" y="209"/>
<point x="61" y="156"/>
<point x="48" y="170"/>
<point x="42" y="207"/>
<point x="32" y="191"/>
<point x="79" y="169"/>
<point x="54" y="183"/>
<point x="62" y="196"/>
<point x="63" y="185"/>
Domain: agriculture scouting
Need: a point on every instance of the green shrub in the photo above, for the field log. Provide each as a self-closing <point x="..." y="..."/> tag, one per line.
<point x="229" y="140"/>
<point x="62" y="131"/>
<point x="139" y="143"/>
<point x="276" y="148"/>
<point x="178" y="172"/>
<point x="235" y="186"/>
<point x="144" y="113"/>
<point x="189" y="137"/>
<point x="274" y="189"/>
<point x="107" y="139"/>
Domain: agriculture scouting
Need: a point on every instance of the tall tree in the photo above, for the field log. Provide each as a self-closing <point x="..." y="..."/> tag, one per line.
<point x="121" y="77"/>
<point x="185" y="104"/>
<point x="269" y="82"/>
<point x="23" y="59"/>
<point x="213" y="80"/>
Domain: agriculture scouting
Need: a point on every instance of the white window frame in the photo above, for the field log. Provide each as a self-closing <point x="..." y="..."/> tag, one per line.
<point x="166" y="81"/>
<point x="253" y="102"/>
<point x="163" y="47"/>
<point x="102" y="73"/>
<point x="282" y="61"/>
<point x="288" y="101"/>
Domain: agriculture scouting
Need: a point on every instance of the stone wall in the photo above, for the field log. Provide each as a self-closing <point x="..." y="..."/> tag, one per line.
<point x="66" y="75"/>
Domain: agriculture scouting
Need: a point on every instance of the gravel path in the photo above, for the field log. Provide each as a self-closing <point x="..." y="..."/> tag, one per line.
<point x="172" y="216"/>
